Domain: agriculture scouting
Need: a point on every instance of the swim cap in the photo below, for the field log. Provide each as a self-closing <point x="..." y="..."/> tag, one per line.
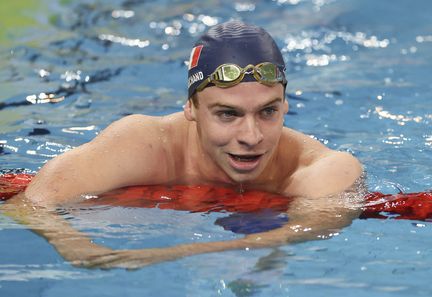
<point x="231" y="42"/>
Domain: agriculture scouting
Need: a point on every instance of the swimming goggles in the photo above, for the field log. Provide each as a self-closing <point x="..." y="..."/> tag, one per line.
<point x="228" y="75"/>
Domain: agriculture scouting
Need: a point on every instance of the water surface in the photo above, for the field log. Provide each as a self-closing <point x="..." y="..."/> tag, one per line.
<point x="359" y="81"/>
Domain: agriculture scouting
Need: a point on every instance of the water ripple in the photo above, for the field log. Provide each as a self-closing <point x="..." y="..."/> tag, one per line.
<point x="323" y="46"/>
<point x="28" y="272"/>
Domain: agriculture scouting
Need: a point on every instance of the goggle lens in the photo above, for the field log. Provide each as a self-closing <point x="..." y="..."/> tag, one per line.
<point x="228" y="75"/>
<point x="267" y="72"/>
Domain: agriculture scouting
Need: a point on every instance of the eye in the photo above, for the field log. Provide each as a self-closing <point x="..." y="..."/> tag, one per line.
<point x="227" y="115"/>
<point x="268" y="112"/>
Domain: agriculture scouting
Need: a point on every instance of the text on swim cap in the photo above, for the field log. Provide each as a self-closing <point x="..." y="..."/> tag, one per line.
<point x="195" y="77"/>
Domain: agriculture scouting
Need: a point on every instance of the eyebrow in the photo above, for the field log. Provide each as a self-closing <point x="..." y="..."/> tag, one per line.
<point x="236" y="107"/>
<point x="273" y="102"/>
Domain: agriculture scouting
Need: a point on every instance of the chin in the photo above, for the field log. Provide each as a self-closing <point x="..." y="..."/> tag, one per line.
<point x="243" y="178"/>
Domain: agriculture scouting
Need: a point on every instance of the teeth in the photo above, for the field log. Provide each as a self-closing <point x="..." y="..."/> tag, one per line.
<point x="244" y="158"/>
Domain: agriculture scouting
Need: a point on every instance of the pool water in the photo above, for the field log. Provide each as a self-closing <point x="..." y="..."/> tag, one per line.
<point x="358" y="80"/>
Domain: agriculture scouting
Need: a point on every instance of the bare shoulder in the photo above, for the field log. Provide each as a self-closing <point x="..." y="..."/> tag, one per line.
<point x="130" y="151"/>
<point x="143" y="143"/>
<point x="140" y="132"/>
<point x="320" y="170"/>
<point x="303" y="150"/>
<point x="141" y="124"/>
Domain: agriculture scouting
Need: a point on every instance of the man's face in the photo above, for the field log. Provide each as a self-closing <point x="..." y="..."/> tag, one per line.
<point x="239" y="127"/>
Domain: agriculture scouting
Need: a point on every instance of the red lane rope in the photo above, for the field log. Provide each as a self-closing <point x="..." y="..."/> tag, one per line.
<point x="11" y="184"/>
<point x="410" y="206"/>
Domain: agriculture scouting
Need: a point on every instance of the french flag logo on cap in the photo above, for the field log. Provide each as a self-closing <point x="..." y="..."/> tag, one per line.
<point x="194" y="57"/>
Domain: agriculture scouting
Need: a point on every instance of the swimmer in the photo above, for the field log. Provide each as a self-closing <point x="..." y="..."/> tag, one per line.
<point x="231" y="133"/>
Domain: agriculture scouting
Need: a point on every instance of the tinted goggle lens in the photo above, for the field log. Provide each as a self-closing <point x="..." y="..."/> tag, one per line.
<point x="230" y="72"/>
<point x="228" y="75"/>
<point x="267" y="72"/>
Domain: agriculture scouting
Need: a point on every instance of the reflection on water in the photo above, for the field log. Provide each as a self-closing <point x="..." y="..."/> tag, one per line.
<point x="316" y="48"/>
<point x="101" y="61"/>
<point x="399" y="118"/>
<point x="359" y="80"/>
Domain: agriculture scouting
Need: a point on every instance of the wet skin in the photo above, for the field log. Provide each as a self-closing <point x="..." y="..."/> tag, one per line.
<point x="238" y="129"/>
<point x="234" y="137"/>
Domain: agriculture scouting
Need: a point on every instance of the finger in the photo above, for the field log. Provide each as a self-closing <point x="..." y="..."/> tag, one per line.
<point x="102" y="261"/>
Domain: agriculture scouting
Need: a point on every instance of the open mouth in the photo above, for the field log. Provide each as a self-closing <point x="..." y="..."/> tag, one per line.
<point x="245" y="158"/>
<point x="244" y="162"/>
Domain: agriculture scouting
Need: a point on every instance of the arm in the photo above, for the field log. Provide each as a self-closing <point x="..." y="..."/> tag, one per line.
<point x="73" y="245"/>
<point x="316" y="219"/>
<point x="318" y="216"/>
<point x="120" y="156"/>
<point x="309" y="219"/>
<point x="319" y="171"/>
<point x="125" y="153"/>
<point x="36" y="208"/>
<point x="330" y="173"/>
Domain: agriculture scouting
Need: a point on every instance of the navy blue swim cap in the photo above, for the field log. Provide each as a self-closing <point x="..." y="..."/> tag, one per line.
<point x="231" y="42"/>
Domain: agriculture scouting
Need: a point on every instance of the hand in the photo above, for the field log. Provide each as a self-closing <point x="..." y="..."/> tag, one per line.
<point x="129" y="259"/>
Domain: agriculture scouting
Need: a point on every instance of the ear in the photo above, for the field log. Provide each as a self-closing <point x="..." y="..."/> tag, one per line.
<point x="286" y="106"/>
<point x="189" y="111"/>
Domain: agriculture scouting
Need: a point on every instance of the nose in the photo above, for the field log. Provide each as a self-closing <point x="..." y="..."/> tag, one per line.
<point x="250" y="133"/>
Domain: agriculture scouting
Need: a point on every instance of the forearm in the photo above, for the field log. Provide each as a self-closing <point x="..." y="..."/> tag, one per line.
<point x="133" y="259"/>
<point x="70" y="243"/>
<point x="308" y="220"/>
<point x="79" y="249"/>
<point x="313" y="219"/>
<point x="295" y="231"/>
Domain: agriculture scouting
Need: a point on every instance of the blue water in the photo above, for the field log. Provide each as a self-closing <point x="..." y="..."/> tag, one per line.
<point x="359" y="80"/>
